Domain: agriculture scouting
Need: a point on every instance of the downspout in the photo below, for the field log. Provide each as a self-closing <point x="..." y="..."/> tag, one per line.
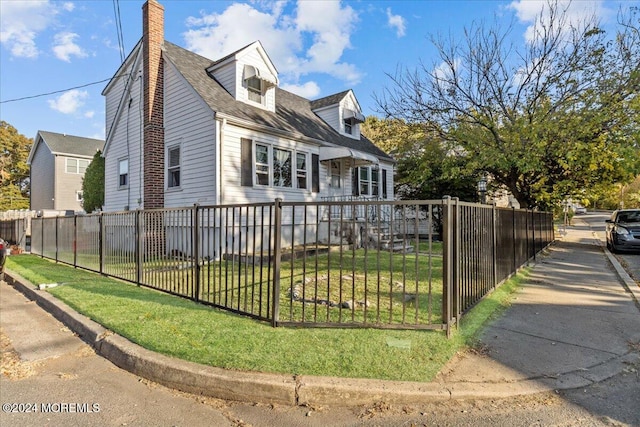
<point x="222" y="124"/>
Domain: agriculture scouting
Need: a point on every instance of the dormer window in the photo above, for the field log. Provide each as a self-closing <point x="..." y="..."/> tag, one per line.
<point x="257" y="83"/>
<point x="351" y="119"/>
<point x="348" y="126"/>
<point x="254" y="87"/>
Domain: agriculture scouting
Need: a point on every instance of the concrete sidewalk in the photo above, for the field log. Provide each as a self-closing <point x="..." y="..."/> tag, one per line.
<point x="575" y="321"/>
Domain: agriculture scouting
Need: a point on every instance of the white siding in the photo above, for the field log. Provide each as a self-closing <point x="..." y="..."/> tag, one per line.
<point x="227" y="77"/>
<point x="42" y="178"/>
<point x="125" y="143"/>
<point x="233" y="192"/>
<point x="189" y="123"/>
<point x="331" y="115"/>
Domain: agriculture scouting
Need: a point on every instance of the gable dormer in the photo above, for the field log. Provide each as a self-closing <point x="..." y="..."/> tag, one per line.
<point x="249" y="76"/>
<point x="341" y="111"/>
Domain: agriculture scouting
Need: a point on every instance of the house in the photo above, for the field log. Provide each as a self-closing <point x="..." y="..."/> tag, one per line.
<point x="57" y="165"/>
<point x="183" y="129"/>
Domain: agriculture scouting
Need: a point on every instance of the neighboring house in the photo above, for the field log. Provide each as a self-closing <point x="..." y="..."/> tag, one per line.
<point x="183" y="129"/>
<point x="57" y="165"/>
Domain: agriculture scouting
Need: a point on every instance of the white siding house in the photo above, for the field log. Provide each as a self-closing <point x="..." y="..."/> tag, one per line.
<point x="229" y="133"/>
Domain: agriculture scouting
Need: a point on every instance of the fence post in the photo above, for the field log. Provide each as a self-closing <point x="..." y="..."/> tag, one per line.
<point x="75" y="240"/>
<point x="139" y="246"/>
<point x="494" y="252"/>
<point x="514" y="237"/>
<point x="101" y="242"/>
<point x="57" y="243"/>
<point x="195" y="251"/>
<point x="447" y="263"/>
<point x="277" y="236"/>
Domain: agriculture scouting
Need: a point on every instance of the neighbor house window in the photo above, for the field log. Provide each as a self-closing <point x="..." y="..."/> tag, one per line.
<point x="173" y="170"/>
<point x="301" y="170"/>
<point x="281" y="168"/>
<point x="79" y="196"/>
<point x="123" y="173"/>
<point x="254" y="87"/>
<point x="78" y="166"/>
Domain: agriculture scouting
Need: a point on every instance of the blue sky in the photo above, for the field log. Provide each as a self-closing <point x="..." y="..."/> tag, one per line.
<point x="319" y="47"/>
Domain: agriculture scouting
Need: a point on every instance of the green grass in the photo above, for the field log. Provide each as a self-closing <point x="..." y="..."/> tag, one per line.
<point x="190" y="331"/>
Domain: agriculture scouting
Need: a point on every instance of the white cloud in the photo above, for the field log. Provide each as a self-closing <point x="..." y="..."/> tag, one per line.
<point x="397" y="22"/>
<point x="310" y="39"/>
<point x="89" y="114"/>
<point x="307" y="90"/>
<point x="577" y="12"/>
<point x="65" y="46"/>
<point x="20" y="23"/>
<point x="69" y="102"/>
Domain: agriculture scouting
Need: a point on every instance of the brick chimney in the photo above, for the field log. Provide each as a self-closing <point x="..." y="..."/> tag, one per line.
<point x="153" y="78"/>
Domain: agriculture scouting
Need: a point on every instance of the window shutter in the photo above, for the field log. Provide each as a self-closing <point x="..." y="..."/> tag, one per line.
<point x="355" y="184"/>
<point x="384" y="183"/>
<point x="246" y="160"/>
<point x="315" y="173"/>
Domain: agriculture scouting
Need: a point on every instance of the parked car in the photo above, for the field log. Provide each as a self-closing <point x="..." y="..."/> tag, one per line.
<point x="580" y="210"/>
<point x="623" y="230"/>
<point x="3" y="255"/>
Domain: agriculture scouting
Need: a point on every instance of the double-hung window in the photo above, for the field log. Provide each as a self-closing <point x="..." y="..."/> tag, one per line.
<point x="262" y="164"/>
<point x="301" y="170"/>
<point x="123" y="173"/>
<point x="348" y="126"/>
<point x="254" y="88"/>
<point x="367" y="181"/>
<point x="173" y="169"/>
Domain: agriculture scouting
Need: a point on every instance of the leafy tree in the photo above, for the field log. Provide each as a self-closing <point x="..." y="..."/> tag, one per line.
<point x="545" y="121"/>
<point x="424" y="170"/>
<point x="14" y="171"/>
<point x="93" y="184"/>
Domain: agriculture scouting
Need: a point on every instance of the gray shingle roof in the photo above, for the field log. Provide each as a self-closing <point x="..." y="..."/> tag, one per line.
<point x="328" y="100"/>
<point x="293" y="113"/>
<point x="60" y="143"/>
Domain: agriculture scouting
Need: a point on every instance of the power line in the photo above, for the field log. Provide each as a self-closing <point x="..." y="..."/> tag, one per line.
<point x="116" y="11"/>
<point x="54" y="92"/>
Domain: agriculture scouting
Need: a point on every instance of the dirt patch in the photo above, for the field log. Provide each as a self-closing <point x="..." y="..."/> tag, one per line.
<point x="10" y="364"/>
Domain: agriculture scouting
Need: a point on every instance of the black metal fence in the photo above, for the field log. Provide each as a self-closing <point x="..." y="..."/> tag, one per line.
<point x="401" y="264"/>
